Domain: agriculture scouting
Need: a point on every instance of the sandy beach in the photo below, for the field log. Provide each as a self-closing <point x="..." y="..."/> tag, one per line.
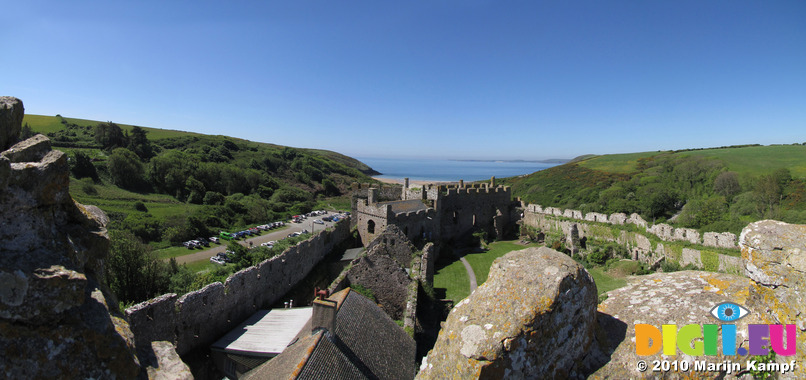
<point x="399" y="181"/>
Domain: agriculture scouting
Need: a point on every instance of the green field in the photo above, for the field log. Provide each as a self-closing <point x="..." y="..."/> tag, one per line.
<point x="753" y="160"/>
<point x="758" y="160"/>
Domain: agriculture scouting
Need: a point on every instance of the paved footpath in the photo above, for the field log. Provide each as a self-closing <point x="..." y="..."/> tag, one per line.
<point x="256" y="241"/>
<point x="470" y="274"/>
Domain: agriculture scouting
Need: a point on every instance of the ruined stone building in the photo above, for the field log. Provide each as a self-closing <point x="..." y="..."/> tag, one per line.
<point x="446" y="213"/>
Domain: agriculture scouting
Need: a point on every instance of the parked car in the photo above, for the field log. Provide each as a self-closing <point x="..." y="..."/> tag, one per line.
<point x="293" y="234"/>
<point x="317" y="221"/>
<point x="327" y="218"/>
<point x="214" y="239"/>
<point x="266" y="244"/>
<point x="304" y="232"/>
<point x="225" y="235"/>
<point x="217" y="260"/>
<point x="203" y="241"/>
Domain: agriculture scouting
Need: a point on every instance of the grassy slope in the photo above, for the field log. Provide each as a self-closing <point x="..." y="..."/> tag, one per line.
<point x="753" y="160"/>
<point x="46" y="124"/>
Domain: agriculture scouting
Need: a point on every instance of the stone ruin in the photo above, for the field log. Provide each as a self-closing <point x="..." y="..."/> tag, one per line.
<point x="58" y="318"/>
<point x="664" y="231"/>
<point x="524" y="322"/>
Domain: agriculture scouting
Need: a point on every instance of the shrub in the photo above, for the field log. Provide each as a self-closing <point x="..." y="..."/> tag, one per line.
<point x="140" y="206"/>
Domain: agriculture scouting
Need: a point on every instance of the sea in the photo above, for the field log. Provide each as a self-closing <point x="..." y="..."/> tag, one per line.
<point x="451" y="170"/>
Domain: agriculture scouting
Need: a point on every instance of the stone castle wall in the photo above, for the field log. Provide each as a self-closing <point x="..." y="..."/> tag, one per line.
<point x="640" y="246"/>
<point x="198" y="318"/>
<point x="663" y="231"/>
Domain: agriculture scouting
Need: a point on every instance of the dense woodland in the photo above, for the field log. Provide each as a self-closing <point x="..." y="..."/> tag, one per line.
<point x="707" y="191"/>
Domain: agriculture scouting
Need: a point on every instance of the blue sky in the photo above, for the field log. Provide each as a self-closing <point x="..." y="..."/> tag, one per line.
<point x="451" y="79"/>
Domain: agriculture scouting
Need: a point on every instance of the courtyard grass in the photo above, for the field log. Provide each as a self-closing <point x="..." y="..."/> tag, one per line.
<point x="481" y="261"/>
<point x="604" y="281"/>
<point x="453" y="279"/>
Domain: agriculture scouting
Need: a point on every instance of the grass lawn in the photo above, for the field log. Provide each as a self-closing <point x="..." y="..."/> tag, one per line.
<point x="604" y="281"/>
<point x="482" y="261"/>
<point x="452" y="276"/>
<point x="201" y="266"/>
<point x="453" y="279"/>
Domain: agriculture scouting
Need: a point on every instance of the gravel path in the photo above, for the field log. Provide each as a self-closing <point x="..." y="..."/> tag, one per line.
<point x="470" y="274"/>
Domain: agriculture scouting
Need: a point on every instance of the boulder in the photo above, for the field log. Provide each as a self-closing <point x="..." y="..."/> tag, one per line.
<point x="11" y="113"/>
<point x="30" y="150"/>
<point x="534" y="317"/>
<point x="679" y="298"/>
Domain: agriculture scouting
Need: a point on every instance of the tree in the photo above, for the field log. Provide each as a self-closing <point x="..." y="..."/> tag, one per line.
<point x="727" y="184"/>
<point x="26" y="132"/>
<point x="655" y="199"/>
<point x="139" y="144"/>
<point x="110" y="136"/>
<point x="126" y="169"/>
<point x="134" y="273"/>
<point x="768" y="193"/>
<point x="81" y="166"/>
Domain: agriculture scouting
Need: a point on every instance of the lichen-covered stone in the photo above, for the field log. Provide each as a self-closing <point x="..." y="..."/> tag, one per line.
<point x="534" y="317"/>
<point x="679" y="298"/>
<point x="30" y="150"/>
<point x="11" y="113"/>
<point x="58" y="318"/>
<point x="774" y="256"/>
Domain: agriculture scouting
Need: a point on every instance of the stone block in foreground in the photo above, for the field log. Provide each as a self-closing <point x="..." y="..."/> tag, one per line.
<point x="534" y="317"/>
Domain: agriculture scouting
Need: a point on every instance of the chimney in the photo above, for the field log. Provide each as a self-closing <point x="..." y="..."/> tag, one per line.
<point x="492" y="181"/>
<point x="461" y="183"/>
<point x="324" y="315"/>
<point x="372" y="195"/>
<point x="405" y="183"/>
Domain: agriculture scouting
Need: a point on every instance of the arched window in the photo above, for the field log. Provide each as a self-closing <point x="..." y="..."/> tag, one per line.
<point x="371" y="226"/>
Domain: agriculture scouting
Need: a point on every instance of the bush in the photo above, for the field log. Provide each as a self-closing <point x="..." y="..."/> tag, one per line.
<point x="140" y="206"/>
<point x="597" y="257"/>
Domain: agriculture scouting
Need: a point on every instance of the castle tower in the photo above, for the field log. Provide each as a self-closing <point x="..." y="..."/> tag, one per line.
<point x="372" y="195"/>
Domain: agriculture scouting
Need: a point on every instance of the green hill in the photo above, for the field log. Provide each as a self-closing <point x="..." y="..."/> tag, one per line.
<point x="718" y="189"/>
<point x="168" y="186"/>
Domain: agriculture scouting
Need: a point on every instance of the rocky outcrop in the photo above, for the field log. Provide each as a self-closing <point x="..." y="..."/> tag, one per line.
<point x="58" y="318"/>
<point x="774" y="256"/>
<point x="11" y="113"/>
<point x="534" y="317"/>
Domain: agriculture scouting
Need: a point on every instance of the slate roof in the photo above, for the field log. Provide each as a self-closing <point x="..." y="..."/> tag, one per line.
<point x="367" y="344"/>
<point x="411" y="205"/>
